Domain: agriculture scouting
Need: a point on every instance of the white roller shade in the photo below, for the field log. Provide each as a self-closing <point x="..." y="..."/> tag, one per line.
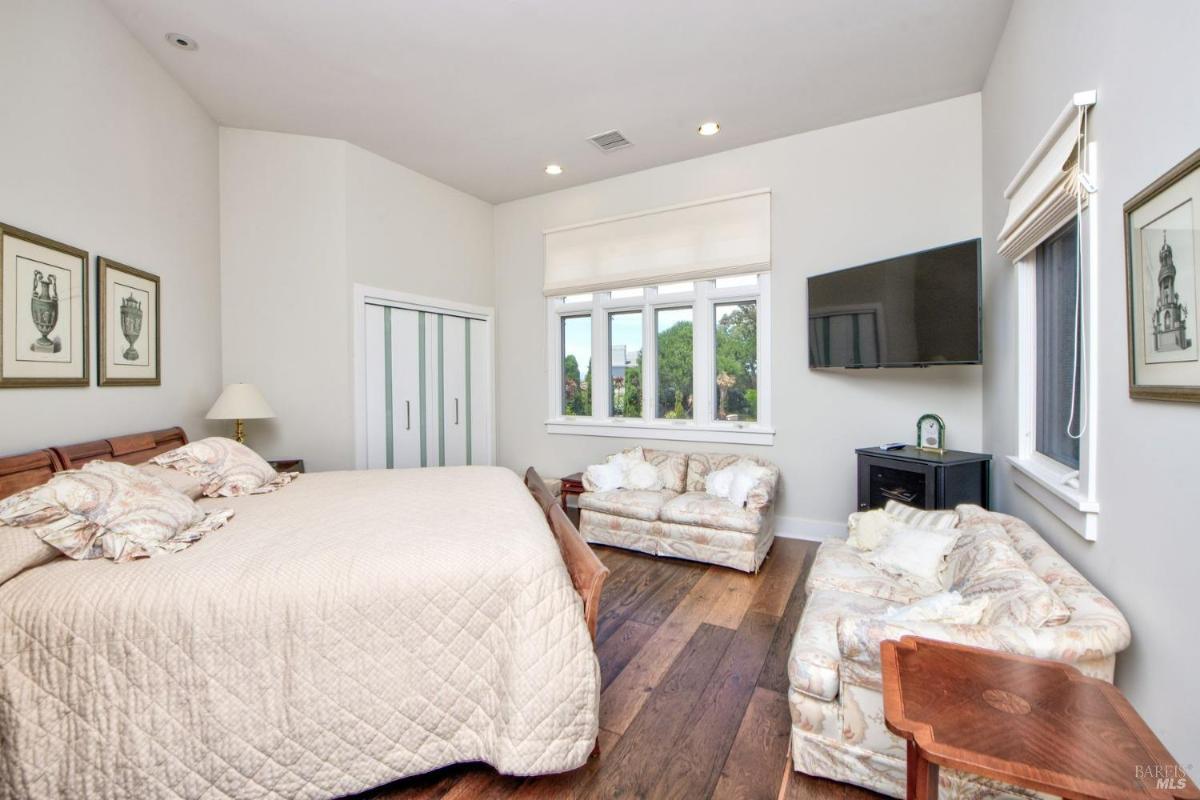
<point x="1043" y="195"/>
<point x="722" y="236"/>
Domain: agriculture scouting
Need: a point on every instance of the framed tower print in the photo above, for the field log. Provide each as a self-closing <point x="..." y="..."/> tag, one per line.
<point x="43" y="311"/>
<point x="128" y="325"/>
<point x="1161" y="245"/>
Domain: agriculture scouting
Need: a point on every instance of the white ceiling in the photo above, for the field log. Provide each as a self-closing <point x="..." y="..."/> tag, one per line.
<point x="482" y="94"/>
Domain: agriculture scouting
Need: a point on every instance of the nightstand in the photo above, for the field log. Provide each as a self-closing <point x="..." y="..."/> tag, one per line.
<point x="287" y="464"/>
<point x="572" y="485"/>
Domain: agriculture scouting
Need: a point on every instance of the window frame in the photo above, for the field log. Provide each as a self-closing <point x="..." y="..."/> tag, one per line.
<point x="703" y="427"/>
<point x="1068" y="493"/>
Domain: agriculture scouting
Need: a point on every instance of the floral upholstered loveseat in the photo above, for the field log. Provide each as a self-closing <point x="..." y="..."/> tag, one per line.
<point x="838" y="728"/>
<point x="681" y="519"/>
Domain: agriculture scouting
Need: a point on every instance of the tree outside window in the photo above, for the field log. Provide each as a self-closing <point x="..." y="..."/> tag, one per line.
<point x="577" y="388"/>
<point x="737" y="361"/>
<point x="674" y="326"/>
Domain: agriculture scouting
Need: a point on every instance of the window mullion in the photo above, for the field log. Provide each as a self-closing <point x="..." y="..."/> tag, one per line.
<point x="703" y="355"/>
<point x="649" y="358"/>
<point x="600" y="358"/>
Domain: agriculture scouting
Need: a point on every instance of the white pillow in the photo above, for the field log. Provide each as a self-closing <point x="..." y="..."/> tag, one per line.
<point x="915" y="553"/>
<point x="606" y="477"/>
<point x="735" y="482"/>
<point x="719" y="482"/>
<point x="941" y="607"/>
<point x="868" y="529"/>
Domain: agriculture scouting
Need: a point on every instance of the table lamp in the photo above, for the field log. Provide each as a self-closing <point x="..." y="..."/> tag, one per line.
<point x="240" y="401"/>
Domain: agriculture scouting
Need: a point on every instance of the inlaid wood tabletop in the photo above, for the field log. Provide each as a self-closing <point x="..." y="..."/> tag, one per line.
<point x="1031" y="722"/>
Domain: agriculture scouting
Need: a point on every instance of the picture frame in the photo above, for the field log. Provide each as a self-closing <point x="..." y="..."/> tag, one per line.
<point x="43" y="312"/>
<point x="128" y="324"/>
<point x="1162" y="254"/>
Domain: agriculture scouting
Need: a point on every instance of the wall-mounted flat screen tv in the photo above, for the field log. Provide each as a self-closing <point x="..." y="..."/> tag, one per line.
<point x="910" y="311"/>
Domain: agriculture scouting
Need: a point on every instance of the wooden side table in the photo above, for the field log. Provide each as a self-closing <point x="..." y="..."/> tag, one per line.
<point x="572" y="486"/>
<point x="1026" y="721"/>
<point x="288" y="465"/>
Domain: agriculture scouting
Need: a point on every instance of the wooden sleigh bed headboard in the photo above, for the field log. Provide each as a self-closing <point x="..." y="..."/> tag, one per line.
<point x="27" y="470"/>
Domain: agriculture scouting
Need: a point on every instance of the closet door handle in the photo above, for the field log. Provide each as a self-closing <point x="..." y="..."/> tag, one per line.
<point x="456" y="411"/>
<point x="407" y="415"/>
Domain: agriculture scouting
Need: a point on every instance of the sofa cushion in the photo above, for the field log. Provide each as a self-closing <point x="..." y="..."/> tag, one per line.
<point x="813" y="665"/>
<point x="632" y="503"/>
<point x="704" y="510"/>
<point x="671" y="466"/>
<point x="841" y="568"/>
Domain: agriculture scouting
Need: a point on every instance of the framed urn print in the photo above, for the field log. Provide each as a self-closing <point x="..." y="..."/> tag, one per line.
<point x="1161" y="244"/>
<point x="43" y="311"/>
<point x="128" y="325"/>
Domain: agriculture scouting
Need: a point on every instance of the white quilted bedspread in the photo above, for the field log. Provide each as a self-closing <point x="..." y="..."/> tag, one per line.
<point x="348" y="630"/>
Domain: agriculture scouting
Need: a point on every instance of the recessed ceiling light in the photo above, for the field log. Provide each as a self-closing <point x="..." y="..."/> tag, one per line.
<point x="553" y="169"/>
<point x="708" y="129"/>
<point x="181" y="41"/>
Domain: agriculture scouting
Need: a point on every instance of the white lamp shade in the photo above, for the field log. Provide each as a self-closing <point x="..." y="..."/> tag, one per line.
<point x="240" y="401"/>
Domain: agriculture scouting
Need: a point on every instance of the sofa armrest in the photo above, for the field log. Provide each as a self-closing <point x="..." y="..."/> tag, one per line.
<point x="860" y="637"/>
<point x="763" y="494"/>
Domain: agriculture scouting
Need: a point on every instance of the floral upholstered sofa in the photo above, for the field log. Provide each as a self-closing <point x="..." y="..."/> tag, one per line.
<point x="838" y="728"/>
<point x="682" y="519"/>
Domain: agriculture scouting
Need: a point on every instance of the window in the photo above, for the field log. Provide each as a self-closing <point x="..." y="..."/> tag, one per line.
<point x="576" y="338"/>
<point x="625" y="364"/>
<point x="1058" y="340"/>
<point x="683" y="361"/>
<point x="737" y="361"/>
<point x="675" y="366"/>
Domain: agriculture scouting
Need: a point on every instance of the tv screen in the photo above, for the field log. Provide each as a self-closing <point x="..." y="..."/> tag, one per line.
<point x="914" y="310"/>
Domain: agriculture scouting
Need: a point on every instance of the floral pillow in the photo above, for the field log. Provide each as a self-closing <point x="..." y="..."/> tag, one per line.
<point x="1017" y="596"/>
<point x="226" y="468"/>
<point x="109" y="510"/>
<point x="181" y="482"/>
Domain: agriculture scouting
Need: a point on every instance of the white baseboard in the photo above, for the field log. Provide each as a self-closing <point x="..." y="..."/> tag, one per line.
<point x="814" y="530"/>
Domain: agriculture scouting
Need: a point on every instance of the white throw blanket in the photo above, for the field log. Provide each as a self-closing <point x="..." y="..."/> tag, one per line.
<point x="348" y="630"/>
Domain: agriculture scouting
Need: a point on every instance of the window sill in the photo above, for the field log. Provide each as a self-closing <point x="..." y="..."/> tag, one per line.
<point x="728" y="433"/>
<point x="1042" y="480"/>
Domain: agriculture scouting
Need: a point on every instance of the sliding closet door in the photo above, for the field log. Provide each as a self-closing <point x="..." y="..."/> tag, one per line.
<point x="428" y="387"/>
<point x="478" y="405"/>
<point x="395" y="379"/>
<point x="454" y="400"/>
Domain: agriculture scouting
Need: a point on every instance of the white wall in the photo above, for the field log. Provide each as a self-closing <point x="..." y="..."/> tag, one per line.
<point x="302" y="220"/>
<point x="840" y="196"/>
<point x="1141" y="57"/>
<point x="285" y="292"/>
<point x="100" y="149"/>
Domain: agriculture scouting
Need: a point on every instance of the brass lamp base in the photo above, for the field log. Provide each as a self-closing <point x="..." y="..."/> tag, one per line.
<point x="239" y="431"/>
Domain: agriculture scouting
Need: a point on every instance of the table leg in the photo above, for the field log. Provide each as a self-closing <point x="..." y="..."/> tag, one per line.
<point x="922" y="775"/>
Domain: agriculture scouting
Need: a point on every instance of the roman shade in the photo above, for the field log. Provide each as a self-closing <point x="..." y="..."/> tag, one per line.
<point x="1047" y="191"/>
<point x="721" y="236"/>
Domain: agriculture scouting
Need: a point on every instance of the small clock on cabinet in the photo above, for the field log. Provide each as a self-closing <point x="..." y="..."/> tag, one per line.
<point x="931" y="433"/>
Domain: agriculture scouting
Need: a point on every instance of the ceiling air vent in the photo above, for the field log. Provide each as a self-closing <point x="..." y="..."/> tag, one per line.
<point x="609" y="141"/>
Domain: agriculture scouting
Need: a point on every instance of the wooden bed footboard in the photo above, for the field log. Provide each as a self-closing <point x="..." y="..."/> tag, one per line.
<point x="586" y="570"/>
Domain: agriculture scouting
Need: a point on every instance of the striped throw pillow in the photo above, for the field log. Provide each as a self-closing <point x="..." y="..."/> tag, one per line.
<point x="919" y="518"/>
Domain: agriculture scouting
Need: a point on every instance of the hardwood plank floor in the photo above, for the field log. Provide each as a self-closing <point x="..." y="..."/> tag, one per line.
<point x="693" y="660"/>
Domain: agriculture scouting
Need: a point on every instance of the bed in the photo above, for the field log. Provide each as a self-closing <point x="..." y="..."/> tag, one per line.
<point x="351" y="629"/>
